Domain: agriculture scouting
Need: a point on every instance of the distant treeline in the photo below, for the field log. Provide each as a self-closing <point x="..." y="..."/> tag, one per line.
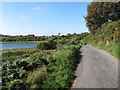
<point x="32" y="37"/>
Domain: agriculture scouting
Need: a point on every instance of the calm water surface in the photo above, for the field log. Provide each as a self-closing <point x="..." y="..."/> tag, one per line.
<point x="4" y="46"/>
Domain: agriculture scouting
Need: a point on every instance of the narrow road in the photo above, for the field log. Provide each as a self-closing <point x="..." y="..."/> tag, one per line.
<point x="97" y="69"/>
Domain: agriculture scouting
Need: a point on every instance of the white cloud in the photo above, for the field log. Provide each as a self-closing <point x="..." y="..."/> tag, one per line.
<point x="38" y="8"/>
<point x="25" y="16"/>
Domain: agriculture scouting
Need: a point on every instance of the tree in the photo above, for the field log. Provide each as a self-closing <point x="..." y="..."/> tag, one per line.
<point x="101" y="12"/>
<point x="31" y="35"/>
<point x="59" y="34"/>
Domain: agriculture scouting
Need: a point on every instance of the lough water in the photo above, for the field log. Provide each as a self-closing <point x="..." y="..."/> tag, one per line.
<point x="4" y="46"/>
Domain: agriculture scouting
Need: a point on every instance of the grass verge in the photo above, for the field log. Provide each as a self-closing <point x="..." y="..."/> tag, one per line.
<point x="114" y="49"/>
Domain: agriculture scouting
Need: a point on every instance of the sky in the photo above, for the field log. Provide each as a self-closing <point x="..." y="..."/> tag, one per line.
<point x="43" y="18"/>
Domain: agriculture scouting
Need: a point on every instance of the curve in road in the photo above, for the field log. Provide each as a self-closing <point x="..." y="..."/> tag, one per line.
<point x="97" y="69"/>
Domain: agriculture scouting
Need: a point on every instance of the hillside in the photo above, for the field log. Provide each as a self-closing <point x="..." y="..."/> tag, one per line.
<point x="106" y="37"/>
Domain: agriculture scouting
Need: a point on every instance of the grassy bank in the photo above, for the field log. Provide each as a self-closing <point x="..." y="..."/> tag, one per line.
<point x="18" y="49"/>
<point x="106" y="37"/>
<point x="114" y="49"/>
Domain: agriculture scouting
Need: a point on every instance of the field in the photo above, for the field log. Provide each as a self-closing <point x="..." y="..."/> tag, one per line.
<point x="52" y="60"/>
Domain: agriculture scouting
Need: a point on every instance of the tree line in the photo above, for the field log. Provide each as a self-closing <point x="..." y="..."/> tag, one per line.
<point x="32" y="37"/>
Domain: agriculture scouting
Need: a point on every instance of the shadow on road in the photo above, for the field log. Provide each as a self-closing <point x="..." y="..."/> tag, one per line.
<point x="79" y="60"/>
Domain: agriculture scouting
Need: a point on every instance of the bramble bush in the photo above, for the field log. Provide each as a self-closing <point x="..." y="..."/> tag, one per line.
<point x="50" y="65"/>
<point x="47" y="69"/>
<point x="61" y="73"/>
<point x="47" y="45"/>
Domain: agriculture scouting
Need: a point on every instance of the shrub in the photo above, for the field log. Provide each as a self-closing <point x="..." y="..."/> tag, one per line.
<point x="51" y="44"/>
<point x="47" y="45"/>
<point x="42" y="46"/>
<point x="61" y="73"/>
<point x="16" y="84"/>
<point x="62" y="41"/>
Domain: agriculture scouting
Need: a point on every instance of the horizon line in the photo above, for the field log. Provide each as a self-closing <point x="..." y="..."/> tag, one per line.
<point x="40" y="35"/>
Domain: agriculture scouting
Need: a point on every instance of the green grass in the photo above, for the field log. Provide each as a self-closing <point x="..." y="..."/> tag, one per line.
<point x="13" y="54"/>
<point x="61" y="70"/>
<point x="18" y="49"/>
<point x="114" y="49"/>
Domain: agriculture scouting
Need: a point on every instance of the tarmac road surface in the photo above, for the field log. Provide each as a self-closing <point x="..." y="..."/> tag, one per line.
<point x="97" y="69"/>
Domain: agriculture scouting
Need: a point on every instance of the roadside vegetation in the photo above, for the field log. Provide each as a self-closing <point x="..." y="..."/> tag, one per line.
<point x="49" y="65"/>
<point x="104" y="26"/>
<point x="52" y="63"/>
<point x="106" y="38"/>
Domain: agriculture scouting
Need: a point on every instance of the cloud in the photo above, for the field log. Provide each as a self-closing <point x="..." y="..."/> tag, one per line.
<point x="25" y="16"/>
<point x="38" y="8"/>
